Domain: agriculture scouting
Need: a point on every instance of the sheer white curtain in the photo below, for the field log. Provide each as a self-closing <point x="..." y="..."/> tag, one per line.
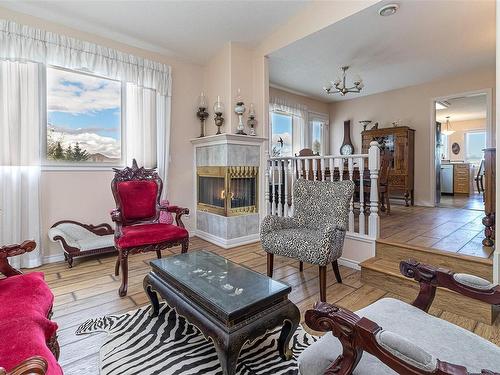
<point x="147" y="131"/>
<point x="163" y="104"/>
<point x="140" y="130"/>
<point x="21" y="118"/>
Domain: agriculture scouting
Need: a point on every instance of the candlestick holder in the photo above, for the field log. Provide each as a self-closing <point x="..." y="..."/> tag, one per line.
<point x="218" y="110"/>
<point x="202" y="114"/>
<point x="252" y="122"/>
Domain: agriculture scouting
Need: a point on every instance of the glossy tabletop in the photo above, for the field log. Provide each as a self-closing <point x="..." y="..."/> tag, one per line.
<point x="227" y="286"/>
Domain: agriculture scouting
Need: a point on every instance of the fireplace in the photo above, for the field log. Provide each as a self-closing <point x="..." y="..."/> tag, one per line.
<point x="227" y="191"/>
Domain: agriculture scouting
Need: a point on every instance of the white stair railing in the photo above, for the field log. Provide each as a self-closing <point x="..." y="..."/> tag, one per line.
<point x="363" y="169"/>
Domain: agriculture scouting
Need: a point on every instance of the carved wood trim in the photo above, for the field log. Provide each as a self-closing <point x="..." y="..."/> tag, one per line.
<point x="31" y="366"/>
<point x="431" y="277"/>
<point x="13" y="250"/>
<point x="102" y="229"/>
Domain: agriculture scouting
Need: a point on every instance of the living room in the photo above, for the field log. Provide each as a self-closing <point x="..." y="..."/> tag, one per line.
<point x="91" y="89"/>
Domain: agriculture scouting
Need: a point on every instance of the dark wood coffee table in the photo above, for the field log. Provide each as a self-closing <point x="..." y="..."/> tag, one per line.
<point x="229" y="303"/>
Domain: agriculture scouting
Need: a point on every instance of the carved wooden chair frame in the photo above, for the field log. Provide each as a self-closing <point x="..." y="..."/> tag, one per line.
<point x="71" y="252"/>
<point x="33" y="365"/>
<point x="357" y="334"/>
<point x="135" y="173"/>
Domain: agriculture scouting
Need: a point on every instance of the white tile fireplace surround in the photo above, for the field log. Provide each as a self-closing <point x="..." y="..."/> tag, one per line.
<point x="235" y="157"/>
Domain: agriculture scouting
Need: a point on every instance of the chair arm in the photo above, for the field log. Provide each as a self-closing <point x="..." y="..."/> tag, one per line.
<point x="431" y="277"/>
<point x="272" y="223"/>
<point x="358" y="335"/>
<point x="31" y="366"/>
<point x="179" y="211"/>
<point x="16" y="249"/>
<point x="13" y="250"/>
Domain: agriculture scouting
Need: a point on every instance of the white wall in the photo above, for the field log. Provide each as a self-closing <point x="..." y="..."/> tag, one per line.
<point x="413" y="106"/>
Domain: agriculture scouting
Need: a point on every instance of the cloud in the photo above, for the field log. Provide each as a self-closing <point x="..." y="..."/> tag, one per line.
<point x="91" y="142"/>
<point x="68" y="130"/>
<point x="80" y="93"/>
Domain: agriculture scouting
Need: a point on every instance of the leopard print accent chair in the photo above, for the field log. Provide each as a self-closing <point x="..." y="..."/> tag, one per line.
<point x="316" y="232"/>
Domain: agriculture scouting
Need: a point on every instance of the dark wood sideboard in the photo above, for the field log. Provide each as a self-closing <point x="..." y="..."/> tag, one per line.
<point x="400" y="142"/>
<point x="489" y="196"/>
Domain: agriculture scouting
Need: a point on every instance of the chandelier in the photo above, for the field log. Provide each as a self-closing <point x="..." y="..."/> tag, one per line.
<point x="339" y="85"/>
<point x="448" y="130"/>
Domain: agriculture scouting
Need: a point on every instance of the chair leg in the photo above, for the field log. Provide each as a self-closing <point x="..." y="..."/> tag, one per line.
<point x="336" y="271"/>
<point x="322" y="283"/>
<point x="158" y="254"/>
<point x="124" y="266"/>
<point x="185" y="246"/>
<point x="388" y="203"/>
<point x="301" y="266"/>
<point x="117" y="265"/>
<point x="270" y="264"/>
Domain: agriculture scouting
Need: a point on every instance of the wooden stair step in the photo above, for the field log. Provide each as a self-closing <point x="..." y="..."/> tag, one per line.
<point x="384" y="274"/>
<point x="397" y="252"/>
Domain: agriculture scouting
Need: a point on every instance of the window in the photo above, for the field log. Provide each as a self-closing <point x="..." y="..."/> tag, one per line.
<point x="84" y="115"/>
<point x="318" y="128"/>
<point x="444" y="146"/>
<point x="475" y="142"/>
<point x="281" y="134"/>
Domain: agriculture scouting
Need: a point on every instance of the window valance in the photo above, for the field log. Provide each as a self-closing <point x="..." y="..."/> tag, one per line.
<point x="28" y="43"/>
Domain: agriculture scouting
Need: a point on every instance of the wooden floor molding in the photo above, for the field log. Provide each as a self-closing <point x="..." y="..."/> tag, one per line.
<point x="90" y="289"/>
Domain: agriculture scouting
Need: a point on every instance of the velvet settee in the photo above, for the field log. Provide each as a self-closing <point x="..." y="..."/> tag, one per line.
<point x="29" y="340"/>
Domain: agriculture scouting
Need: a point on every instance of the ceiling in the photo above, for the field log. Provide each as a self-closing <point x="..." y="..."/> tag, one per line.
<point x="194" y="30"/>
<point x="464" y="108"/>
<point x="422" y="42"/>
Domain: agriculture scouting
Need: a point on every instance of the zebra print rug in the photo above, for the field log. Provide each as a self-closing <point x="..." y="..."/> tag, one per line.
<point x="168" y="345"/>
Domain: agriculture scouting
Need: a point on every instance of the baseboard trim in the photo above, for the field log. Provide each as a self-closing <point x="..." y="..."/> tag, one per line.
<point x="52" y="258"/>
<point x="225" y="243"/>
<point x="349" y="263"/>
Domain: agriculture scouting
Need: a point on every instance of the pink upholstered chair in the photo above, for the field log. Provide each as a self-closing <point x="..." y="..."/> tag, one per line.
<point x="137" y="194"/>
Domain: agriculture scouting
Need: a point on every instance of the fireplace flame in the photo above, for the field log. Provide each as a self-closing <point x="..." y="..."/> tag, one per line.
<point x="222" y="194"/>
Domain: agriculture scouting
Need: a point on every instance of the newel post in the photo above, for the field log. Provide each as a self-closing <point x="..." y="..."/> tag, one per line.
<point x="373" y="166"/>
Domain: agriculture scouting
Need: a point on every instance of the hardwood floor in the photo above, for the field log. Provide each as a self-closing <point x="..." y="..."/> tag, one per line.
<point x="447" y="229"/>
<point x="90" y="290"/>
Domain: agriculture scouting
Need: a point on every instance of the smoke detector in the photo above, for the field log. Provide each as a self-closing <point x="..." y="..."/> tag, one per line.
<point x="388" y="10"/>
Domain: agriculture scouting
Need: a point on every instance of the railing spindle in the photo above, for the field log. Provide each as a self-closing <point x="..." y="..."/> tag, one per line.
<point x="361" y="167"/>
<point x="351" y="204"/>
<point x="373" y="165"/>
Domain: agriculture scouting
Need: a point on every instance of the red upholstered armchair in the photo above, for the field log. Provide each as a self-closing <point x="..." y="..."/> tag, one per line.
<point x="137" y="195"/>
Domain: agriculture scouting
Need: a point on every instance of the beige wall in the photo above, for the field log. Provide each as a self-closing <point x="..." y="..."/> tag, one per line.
<point x="312" y="104"/>
<point x="413" y="106"/>
<point x="86" y="195"/>
<point x="460" y="128"/>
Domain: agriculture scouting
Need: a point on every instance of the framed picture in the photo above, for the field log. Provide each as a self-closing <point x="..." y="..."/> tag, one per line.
<point x="455" y="148"/>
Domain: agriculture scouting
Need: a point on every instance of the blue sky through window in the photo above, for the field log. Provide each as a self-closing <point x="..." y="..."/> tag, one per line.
<point x="282" y="128"/>
<point x="84" y="109"/>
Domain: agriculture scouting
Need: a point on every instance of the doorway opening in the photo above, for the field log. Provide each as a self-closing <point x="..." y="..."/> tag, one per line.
<point x="462" y="132"/>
